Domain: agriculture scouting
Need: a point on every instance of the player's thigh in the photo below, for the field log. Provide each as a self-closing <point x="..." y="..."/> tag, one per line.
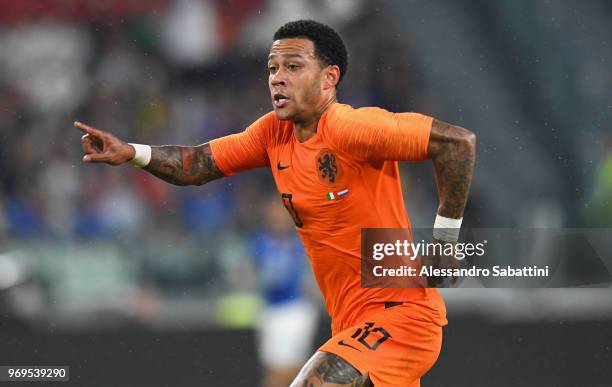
<point x="328" y="369"/>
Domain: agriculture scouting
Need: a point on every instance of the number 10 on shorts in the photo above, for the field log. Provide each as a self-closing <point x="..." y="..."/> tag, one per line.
<point x="361" y="334"/>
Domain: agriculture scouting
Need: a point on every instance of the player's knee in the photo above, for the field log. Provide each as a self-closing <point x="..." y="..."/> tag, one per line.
<point x="327" y="369"/>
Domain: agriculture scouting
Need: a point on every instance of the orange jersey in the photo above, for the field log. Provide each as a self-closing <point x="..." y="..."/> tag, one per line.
<point x="343" y="179"/>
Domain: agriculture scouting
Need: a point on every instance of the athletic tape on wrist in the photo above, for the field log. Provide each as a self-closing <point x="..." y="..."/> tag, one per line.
<point x="447" y="229"/>
<point x="142" y="157"/>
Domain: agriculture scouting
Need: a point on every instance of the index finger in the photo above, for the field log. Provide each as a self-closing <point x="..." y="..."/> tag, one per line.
<point x="88" y="129"/>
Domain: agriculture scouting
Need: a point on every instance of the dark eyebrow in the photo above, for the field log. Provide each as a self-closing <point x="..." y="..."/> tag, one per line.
<point x="271" y="56"/>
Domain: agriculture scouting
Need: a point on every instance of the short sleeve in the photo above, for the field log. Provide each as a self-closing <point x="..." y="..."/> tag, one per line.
<point x="377" y="134"/>
<point x="243" y="151"/>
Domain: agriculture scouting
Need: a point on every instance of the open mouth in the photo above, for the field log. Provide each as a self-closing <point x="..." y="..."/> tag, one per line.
<point x="280" y="100"/>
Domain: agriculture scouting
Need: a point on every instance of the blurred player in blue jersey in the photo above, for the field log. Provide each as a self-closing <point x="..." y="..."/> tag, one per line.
<point x="288" y="321"/>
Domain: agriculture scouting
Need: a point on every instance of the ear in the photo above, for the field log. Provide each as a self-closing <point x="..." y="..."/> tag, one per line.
<point x="331" y="77"/>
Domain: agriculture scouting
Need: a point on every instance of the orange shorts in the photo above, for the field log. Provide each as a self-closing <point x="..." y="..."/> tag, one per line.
<point x="393" y="347"/>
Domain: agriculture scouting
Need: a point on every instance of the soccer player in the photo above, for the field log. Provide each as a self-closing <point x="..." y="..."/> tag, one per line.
<point x="336" y="170"/>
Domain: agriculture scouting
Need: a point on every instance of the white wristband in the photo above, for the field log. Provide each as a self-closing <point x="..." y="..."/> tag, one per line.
<point x="142" y="157"/>
<point x="447" y="229"/>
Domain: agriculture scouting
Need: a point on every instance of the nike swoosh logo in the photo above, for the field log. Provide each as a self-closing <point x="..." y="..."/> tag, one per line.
<point x="341" y="342"/>
<point x="281" y="167"/>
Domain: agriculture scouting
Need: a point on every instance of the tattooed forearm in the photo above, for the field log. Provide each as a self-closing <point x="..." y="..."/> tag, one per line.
<point x="182" y="165"/>
<point x="327" y="369"/>
<point x="453" y="152"/>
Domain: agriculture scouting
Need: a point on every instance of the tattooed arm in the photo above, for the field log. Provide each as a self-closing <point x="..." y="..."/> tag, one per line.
<point x="327" y="369"/>
<point x="180" y="165"/>
<point x="453" y="152"/>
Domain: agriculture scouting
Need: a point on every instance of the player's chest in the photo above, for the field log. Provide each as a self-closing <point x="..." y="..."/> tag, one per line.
<point x="314" y="181"/>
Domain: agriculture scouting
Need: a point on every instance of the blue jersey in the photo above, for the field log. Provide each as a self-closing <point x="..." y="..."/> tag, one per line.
<point x="281" y="262"/>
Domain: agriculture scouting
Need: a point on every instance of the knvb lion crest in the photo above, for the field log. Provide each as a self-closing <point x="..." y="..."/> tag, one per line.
<point x="328" y="167"/>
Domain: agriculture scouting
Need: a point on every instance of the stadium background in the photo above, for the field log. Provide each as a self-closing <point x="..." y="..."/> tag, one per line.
<point x="133" y="282"/>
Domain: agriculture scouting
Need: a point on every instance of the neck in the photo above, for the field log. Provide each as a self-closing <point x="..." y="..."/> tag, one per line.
<point x="305" y="129"/>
